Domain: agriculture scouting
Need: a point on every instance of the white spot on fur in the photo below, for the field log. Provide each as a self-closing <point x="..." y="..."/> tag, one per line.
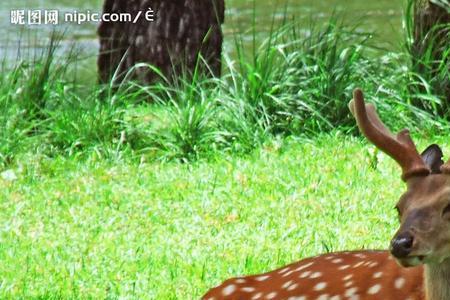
<point x="399" y="282"/>
<point x="227" y="291"/>
<point x="257" y="296"/>
<point x="350" y="292"/>
<point x="271" y="295"/>
<point x="305" y="274"/>
<point x="320" y="286"/>
<point x="283" y="270"/>
<point x="348" y="283"/>
<point x="315" y="275"/>
<point x="262" y="278"/>
<point x="348" y="277"/>
<point x="287" y="274"/>
<point x="374" y="289"/>
<point x="287" y="284"/>
<point x="248" y="289"/>
<point x="304" y="266"/>
<point x="377" y="275"/>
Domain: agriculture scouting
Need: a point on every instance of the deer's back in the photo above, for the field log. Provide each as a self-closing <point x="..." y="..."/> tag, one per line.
<point x="356" y="275"/>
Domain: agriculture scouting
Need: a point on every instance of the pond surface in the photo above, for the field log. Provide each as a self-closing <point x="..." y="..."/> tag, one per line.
<point x="383" y="17"/>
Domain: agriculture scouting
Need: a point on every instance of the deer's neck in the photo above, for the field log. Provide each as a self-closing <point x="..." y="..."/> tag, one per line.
<point x="437" y="281"/>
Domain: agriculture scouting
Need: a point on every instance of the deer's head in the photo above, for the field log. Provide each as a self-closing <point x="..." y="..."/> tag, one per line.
<point x="424" y="209"/>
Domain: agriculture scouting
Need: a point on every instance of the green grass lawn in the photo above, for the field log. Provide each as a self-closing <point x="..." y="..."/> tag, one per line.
<point x="92" y="229"/>
<point x="157" y="192"/>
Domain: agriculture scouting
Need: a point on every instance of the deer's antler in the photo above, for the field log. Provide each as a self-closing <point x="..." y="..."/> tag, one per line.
<point x="401" y="147"/>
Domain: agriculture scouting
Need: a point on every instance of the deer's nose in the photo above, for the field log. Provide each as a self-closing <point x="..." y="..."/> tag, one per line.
<point x="401" y="245"/>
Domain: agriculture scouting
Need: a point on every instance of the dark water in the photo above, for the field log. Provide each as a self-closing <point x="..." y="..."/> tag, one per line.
<point x="382" y="17"/>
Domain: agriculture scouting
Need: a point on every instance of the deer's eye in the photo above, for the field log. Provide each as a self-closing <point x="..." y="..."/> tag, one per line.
<point x="446" y="210"/>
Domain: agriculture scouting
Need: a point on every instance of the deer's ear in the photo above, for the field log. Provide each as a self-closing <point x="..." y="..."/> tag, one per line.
<point x="432" y="156"/>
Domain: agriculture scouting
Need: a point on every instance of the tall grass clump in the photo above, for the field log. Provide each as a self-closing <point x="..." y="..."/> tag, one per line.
<point x="42" y="109"/>
<point x="26" y="90"/>
<point x="297" y="82"/>
<point x="174" y="118"/>
<point x="186" y="124"/>
<point x="14" y="129"/>
<point x="428" y="51"/>
<point x="37" y="78"/>
<point x="323" y="66"/>
<point x="83" y="125"/>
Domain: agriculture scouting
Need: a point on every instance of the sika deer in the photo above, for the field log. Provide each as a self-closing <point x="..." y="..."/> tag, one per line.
<point x="417" y="265"/>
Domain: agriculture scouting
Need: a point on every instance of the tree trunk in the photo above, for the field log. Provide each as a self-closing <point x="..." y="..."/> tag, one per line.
<point x="431" y="45"/>
<point x="181" y="32"/>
